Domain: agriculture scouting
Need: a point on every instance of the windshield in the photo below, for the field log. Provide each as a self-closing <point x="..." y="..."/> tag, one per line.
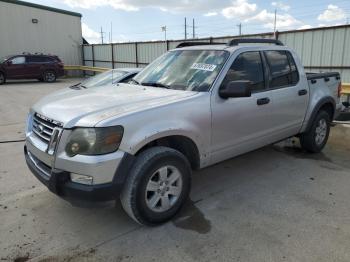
<point x="3" y="59"/>
<point x="104" y="78"/>
<point x="192" y="70"/>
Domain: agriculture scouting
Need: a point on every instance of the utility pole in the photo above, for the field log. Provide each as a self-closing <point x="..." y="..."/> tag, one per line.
<point x="101" y="35"/>
<point x="164" y="30"/>
<point x="185" y="28"/>
<point x="111" y="32"/>
<point x="193" y="30"/>
<point x="275" y="24"/>
<point x="239" y="28"/>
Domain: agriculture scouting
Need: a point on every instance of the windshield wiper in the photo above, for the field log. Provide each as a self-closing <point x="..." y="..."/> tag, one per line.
<point x="155" y="84"/>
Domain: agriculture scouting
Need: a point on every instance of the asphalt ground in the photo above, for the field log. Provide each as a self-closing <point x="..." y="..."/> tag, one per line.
<point x="277" y="203"/>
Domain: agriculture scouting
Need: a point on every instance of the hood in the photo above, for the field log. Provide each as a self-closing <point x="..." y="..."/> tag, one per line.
<point x="87" y="107"/>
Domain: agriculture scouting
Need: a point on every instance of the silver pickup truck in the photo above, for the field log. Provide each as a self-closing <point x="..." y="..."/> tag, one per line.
<point x="195" y="106"/>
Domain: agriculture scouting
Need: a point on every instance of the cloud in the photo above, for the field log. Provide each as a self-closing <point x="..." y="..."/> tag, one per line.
<point x="332" y="13"/>
<point x="211" y="14"/>
<point x="305" y="27"/>
<point x="284" y="21"/>
<point x="281" y="5"/>
<point x="89" y="34"/>
<point x="239" y="9"/>
<point x="179" y="6"/>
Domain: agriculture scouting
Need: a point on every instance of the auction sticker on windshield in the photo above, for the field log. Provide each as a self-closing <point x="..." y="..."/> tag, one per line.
<point x="204" y="67"/>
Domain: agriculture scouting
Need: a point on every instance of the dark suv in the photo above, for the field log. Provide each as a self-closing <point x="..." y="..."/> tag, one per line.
<point x="31" y="66"/>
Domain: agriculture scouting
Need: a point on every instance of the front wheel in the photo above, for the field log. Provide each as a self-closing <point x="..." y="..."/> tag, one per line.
<point x="316" y="138"/>
<point x="157" y="187"/>
<point x="49" y="76"/>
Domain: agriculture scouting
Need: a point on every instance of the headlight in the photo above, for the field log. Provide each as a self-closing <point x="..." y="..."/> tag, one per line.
<point x="94" y="141"/>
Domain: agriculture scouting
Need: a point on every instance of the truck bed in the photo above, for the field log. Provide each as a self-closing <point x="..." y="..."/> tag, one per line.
<point x="315" y="76"/>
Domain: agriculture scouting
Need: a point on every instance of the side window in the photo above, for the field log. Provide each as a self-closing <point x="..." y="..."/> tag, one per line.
<point x="247" y="66"/>
<point x="33" y="59"/>
<point x="18" y="60"/>
<point x="46" y="59"/>
<point x="128" y="78"/>
<point x="294" y="69"/>
<point x="283" y="72"/>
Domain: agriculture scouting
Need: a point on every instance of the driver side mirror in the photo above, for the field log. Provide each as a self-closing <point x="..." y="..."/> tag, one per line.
<point x="235" y="89"/>
<point x="9" y="62"/>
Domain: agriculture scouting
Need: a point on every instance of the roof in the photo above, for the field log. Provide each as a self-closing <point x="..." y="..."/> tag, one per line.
<point x="43" y="7"/>
<point x="235" y="47"/>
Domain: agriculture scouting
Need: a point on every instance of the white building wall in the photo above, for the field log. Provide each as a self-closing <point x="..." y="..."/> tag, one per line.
<point x="55" y="33"/>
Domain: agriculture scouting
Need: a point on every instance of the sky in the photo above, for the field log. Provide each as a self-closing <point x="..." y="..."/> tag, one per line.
<point x="142" y="20"/>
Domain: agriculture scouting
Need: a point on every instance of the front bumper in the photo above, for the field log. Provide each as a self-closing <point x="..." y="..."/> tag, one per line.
<point x="59" y="182"/>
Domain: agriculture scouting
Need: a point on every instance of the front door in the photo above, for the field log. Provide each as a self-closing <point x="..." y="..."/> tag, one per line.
<point x="242" y="124"/>
<point x="16" y="68"/>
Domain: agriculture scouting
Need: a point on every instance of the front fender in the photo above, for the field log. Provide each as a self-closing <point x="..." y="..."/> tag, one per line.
<point x="132" y="143"/>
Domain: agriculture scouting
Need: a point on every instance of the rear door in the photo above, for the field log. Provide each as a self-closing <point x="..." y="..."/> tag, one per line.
<point x="34" y="64"/>
<point x="289" y="93"/>
<point x="242" y="124"/>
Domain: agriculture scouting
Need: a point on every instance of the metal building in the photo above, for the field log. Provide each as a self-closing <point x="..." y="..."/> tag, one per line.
<point x="28" y="27"/>
<point x="321" y="49"/>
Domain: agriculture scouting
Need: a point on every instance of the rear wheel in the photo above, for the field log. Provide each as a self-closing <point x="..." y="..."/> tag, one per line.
<point x="49" y="76"/>
<point x="2" y="78"/>
<point x="316" y="138"/>
<point x="157" y="186"/>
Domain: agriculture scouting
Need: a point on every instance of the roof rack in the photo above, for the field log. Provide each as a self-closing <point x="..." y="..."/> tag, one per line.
<point x="238" y="41"/>
<point x="186" y="44"/>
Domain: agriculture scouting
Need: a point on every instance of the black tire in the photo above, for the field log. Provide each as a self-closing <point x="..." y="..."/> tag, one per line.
<point x="311" y="141"/>
<point x="41" y="79"/>
<point x="134" y="197"/>
<point x="49" y="76"/>
<point x="2" y="78"/>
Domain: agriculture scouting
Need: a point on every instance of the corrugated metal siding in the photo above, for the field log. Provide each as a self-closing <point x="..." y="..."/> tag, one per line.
<point x="320" y="50"/>
<point x="54" y="33"/>
<point x="103" y="52"/>
<point x="87" y="52"/>
<point x="124" y="65"/>
<point x="103" y="64"/>
<point x="124" y="53"/>
<point x="147" y="52"/>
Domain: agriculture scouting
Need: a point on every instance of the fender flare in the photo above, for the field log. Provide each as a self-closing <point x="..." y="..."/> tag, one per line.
<point x="322" y="102"/>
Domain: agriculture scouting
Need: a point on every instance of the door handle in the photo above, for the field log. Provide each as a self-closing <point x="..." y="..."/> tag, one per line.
<point x="263" y="101"/>
<point x="302" y="92"/>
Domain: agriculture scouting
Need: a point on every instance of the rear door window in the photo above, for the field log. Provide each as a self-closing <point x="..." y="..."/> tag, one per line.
<point x="294" y="69"/>
<point x="283" y="70"/>
<point x="34" y="59"/>
<point x="247" y="66"/>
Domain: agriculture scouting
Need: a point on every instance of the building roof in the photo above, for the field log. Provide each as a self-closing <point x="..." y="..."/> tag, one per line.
<point x="43" y="7"/>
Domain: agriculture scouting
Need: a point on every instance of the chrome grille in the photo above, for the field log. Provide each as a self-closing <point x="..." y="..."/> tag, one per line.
<point x="43" y="127"/>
